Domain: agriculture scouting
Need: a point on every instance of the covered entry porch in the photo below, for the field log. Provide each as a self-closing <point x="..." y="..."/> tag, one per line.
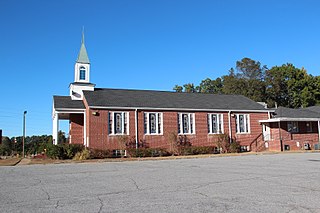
<point x="74" y="111"/>
<point x="283" y="134"/>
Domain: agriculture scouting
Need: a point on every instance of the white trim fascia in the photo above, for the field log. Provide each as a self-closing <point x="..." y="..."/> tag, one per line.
<point x="69" y="109"/>
<point x="71" y="112"/>
<point x="288" y="119"/>
<point x="178" y="109"/>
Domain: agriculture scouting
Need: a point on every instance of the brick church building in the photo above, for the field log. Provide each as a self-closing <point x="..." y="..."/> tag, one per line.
<point x="98" y="116"/>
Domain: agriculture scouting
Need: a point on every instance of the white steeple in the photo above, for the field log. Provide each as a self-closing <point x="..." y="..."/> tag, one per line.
<point x="81" y="74"/>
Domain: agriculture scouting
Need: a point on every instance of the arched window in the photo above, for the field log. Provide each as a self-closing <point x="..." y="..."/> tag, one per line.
<point x="82" y="73"/>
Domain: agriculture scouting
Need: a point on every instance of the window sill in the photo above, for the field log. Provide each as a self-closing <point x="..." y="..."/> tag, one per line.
<point x="221" y="133"/>
<point x="148" y="134"/>
<point x="186" y="133"/>
<point x="124" y="134"/>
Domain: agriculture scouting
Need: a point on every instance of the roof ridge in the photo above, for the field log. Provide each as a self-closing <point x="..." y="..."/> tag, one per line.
<point x="165" y="91"/>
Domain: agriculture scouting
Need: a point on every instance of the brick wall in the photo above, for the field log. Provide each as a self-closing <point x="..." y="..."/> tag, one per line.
<point x="97" y="124"/>
<point x="291" y="139"/>
<point x="76" y="128"/>
<point x="254" y="140"/>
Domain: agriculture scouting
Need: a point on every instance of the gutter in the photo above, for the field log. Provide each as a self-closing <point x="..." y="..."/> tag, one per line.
<point x="176" y="109"/>
<point x="229" y="125"/>
<point x="288" y="119"/>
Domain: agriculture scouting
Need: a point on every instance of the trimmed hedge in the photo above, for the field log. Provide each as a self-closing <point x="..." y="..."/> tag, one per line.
<point x="63" y="151"/>
<point x="100" y="153"/>
<point x="147" y="152"/>
<point x="197" y="150"/>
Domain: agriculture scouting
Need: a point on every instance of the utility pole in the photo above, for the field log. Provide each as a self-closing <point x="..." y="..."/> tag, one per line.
<point x="24" y="131"/>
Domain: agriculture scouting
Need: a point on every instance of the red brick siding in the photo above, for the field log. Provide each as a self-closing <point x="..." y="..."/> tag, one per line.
<point x="100" y="139"/>
<point x="254" y="138"/>
<point x="76" y="128"/>
<point x="291" y="139"/>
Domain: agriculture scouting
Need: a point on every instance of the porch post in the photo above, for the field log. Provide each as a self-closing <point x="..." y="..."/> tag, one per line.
<point x="319" y="132"/>
<point x="85" y="142"/>
<point x="55" y="128"/>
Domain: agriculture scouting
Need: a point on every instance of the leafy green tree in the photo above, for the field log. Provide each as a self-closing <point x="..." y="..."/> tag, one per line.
<point x="276" y="85"/>
<point x="291" y="87"/>
<point x="189" y="87"/>
<point x="178" y="88"/>
<point x="285" y="85"/>
<point x="250" y="69"/>
<point x="247" y="81"/>
<point x="232" y="84"/>
<point x="62" y="137"/>
<point x="210" y="86"/>
<point x="316" y="81"/>
<point x="6" y="146"/>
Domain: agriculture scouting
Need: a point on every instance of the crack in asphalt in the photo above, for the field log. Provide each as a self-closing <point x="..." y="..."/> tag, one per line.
<point x="297" y="208"/>
<point x="42" y="188"/>
<point x="202" y="194"/>
<point x="57" y="204"/>
<point x="135" y="183"/>
<point x="101" y="204"/>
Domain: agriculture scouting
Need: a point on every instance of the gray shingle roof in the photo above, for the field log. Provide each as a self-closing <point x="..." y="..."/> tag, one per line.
<point x="314" y="109"/>
<point x="65" y="102"/>
<point x="167" y="100"/>
<point x="283" y="112"/>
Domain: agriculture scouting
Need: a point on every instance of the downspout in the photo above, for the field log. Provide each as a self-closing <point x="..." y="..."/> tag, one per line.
<point x="136" y="128"/>
<point x="319" y="132"/>
<point x="229" y="125"/>
<point x="280" y="136"/>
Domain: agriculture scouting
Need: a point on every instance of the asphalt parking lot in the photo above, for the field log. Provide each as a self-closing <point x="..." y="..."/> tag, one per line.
<point x="252" y="183"/>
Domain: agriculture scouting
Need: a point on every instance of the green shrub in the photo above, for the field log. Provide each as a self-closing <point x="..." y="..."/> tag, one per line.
<point x="4" y="151"/>
<point x="62" y="151"/>
<point x="234" y="147"/>
<point x="133" y="144"/>
<point x="100" y="154"/>
<point x="147" y="152"/>
<point x="178" y="143"/>
<point x="83" y="155"/>
<point x="70" y="150"/>
<point x="197" y="150"/>
<point x="54" y="151"/>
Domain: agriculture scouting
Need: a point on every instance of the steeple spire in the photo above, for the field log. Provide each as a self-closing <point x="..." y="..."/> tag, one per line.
<point x="81" y="74"/>
<point x="83" y="55"/>
<point x="82" y="41"/>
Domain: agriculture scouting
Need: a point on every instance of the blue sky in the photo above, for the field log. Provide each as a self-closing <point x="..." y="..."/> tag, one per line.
<point x="141" y="44"/>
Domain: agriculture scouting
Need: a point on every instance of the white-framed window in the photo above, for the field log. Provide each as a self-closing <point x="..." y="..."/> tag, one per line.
<point x="215" y="123"/>
<point x="153" y="123"/>
<point x="118" y="123"/>
<point x="242" y="123"/>
<point x="293" y="126"/>
<point x="186" y="123"/>
<point x="82" y="73"/>
<point x="309" y="126"/>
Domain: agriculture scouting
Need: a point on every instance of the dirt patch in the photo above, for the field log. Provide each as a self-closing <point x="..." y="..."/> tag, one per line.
<point x="9" y="161"/>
